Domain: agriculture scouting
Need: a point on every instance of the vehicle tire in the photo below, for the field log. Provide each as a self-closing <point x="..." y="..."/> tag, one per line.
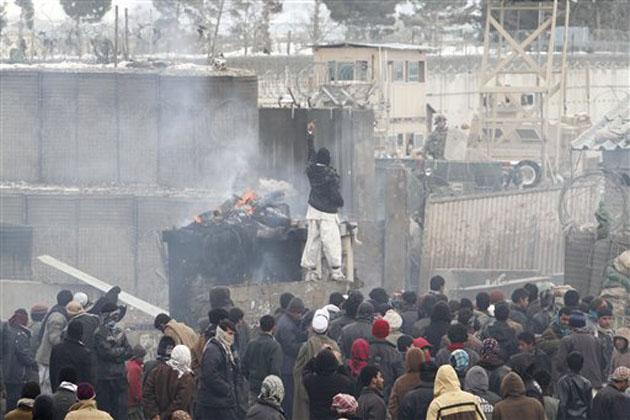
<point x="529" y="172"/>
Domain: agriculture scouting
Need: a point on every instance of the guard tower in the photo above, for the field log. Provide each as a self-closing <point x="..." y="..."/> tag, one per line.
<point x="523" y="68"/>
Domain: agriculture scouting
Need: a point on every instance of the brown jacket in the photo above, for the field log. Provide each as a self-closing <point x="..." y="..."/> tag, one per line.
<point x="408" y="381"/>
<point x="181" y="334"/>
<point x="24" y="410"/>
<point x="515" y="404"/>
<point x="165" y="393"/>
<point x="86" y="410"/>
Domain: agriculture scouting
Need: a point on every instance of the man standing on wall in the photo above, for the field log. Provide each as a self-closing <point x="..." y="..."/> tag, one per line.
<point x="323" y="204"/>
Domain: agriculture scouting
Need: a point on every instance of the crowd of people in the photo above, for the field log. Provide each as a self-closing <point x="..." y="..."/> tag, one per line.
<point x="533" y="356"/>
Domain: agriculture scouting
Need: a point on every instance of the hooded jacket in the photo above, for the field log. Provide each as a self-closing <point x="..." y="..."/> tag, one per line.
<point x="450" y="402"/>
<point x="621" y="358"/>
<point x="515" y="404"/>
<point x="496" y="371"/>
<point x="477" y="383"/>
<point x="408" y="381"/>
<point x="324" y="180"/>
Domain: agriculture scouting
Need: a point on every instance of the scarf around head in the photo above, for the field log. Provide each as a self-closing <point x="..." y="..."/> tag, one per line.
<point x="272" y="390"/>
<point x="180" y="360"/>
<point x="226" y="340"/>
<point x="20" y="317"/>
<point x="360" y="355"/>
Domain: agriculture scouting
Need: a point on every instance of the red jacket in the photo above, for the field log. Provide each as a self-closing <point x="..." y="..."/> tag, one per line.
<point x="134" y="377"/>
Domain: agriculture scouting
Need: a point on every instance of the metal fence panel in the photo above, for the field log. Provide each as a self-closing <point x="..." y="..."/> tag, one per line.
<point x="510" y="231"/>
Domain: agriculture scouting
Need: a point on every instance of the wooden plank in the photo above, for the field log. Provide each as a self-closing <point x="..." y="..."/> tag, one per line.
<point x="124" y="297"/>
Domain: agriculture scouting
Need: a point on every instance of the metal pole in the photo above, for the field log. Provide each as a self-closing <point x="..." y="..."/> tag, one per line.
<point x="116" y="36"/>
<point x="126" y="35"/>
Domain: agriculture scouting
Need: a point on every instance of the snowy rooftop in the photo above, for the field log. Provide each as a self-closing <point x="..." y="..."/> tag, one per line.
<point x="387" y="46"/>
<point x="167" y="69"/>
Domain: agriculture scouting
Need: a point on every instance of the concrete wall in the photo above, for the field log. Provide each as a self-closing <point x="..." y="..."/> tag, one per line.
<point x="114" y="237"/>
<point x="71" y="128"/>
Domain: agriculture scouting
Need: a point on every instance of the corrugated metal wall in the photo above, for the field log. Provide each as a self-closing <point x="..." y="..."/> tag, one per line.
<point x="511" y="230"/>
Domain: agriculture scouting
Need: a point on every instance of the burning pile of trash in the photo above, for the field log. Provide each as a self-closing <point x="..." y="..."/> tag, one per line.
<point x="250" y="237"/>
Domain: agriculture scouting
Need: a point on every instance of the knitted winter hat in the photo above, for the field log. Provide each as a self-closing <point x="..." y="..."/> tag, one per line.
<point x="345" y="404"/>
<point x="577" y="320"/>
<point x="393" y="319"/>
<point x="490" y="347"/>
<point x="85" y="391"/>
<point x="620" y="374"/>
<point x="380" y="328"/>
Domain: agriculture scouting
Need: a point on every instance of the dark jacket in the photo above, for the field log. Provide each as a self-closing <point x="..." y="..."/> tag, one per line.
<point x="334" y="331"/>
<point x="165" y="393"/>
<point x="70" y="353"/>
<point x="575" y="394"/>
<point x="263" y="410"/>
<point x="63" y="399"/>
<point x="262" y="357"/>
<point x="610" y="403"/>
<point x="17" y="357"/>
<point x="434" y="333"/>
<point x="505" y="336"/>
<point x="496" y="371"/>
<point x="409" y="315"/>
<point x="112" y="350"/>
<point x="586" y="344"/>
<point x="415" y="403"/>
<point x="324" y="180"/>
<point x="538" y="358"/>
<point x="322" y="386"/>
<point x="90" y="323"/>
<point x="290" y="337"/>
<point x="371" y="405"/>
<point x="219" y="378"/>
<point x="518" y="314"/>
<point x="386" y="357"/>
<point x="361" y="328"/>
<point x="515" y="404"/>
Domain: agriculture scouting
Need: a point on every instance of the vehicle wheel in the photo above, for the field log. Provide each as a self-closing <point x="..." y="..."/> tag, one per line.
<point x="529" y="173"/>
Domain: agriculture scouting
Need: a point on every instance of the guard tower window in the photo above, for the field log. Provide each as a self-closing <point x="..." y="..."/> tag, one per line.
<point x="361" y="70"/>
<point x="399" y="71"/>
<point x="527" y="99"/>
<point x="332" y="71"/>
<point x="345" y="71"/>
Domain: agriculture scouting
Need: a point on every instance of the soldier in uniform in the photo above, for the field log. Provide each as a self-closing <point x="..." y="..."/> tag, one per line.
<point x="436" y="142"/>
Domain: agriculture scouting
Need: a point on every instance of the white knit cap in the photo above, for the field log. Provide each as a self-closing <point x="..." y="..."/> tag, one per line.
<point x="81" y="298"/>
<point x="393" y="319"/>
<point x="320" y="321"/>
